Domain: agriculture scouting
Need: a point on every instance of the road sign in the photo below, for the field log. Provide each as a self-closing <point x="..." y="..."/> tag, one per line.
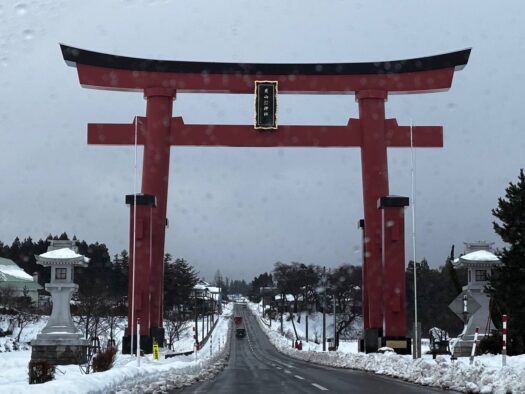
<point x="458" y="304"/>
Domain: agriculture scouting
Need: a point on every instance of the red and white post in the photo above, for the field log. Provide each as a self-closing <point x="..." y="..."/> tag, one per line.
<point x="504" y="342"/>
<point x="474" y="346"/>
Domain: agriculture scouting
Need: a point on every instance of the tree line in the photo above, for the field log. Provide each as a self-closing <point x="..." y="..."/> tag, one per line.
<point x="310" y="284"/>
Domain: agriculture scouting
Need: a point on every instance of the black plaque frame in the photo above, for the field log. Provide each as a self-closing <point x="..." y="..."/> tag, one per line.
<point x="266" y="105"/>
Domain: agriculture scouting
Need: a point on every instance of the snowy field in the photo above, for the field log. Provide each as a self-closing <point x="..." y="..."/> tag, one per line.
<point x="486" y="375"/>
<point x="125" y="376"/>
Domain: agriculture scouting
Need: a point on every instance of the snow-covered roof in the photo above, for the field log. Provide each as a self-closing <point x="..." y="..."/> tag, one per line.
<point x="288" y="297"/>
<point x="477" y="256"/>
<point x="480" y="255"/>
<point x="62" y="255"/>
<point x="9" y="271"/>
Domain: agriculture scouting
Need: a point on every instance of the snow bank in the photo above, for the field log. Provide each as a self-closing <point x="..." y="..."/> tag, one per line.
<point x="485" y="376"/>
<point x="125" y="376"/>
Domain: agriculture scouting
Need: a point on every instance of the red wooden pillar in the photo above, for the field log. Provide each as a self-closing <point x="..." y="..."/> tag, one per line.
<point x="393" y="261"/>
<point x="155" y="181"/>
<point x="375" y="185"/>
<point x="140" y="298"/>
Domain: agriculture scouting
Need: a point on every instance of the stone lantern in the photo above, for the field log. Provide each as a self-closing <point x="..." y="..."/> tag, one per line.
<point x="60" y="342"/>
<point x="473" y="303"/>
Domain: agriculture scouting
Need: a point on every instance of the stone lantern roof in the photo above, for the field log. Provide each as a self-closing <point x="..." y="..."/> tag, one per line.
<point x="64" y="256"/>
<point x="479" y="258"/>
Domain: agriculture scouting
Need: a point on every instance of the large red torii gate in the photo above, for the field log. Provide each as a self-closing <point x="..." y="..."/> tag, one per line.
<point x="159" y="80"/>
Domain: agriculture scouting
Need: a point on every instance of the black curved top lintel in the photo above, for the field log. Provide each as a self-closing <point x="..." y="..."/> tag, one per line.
<point x="74" y="56"/>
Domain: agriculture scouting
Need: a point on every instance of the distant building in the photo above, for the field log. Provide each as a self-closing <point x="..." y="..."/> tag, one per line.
<point x="207" y="293"/>
<point x="15" y="278"/>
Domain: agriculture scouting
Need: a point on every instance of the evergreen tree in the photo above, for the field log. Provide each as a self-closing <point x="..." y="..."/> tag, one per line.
<point x="63" y="237"/>
<point x="452" y="272"/>
<point x="119" y="275"/>
<point x="95" y="279"/>
<point x="262" y="280"/>
<point x="435" y="291"/>
<point x="507" y="284"/>
<point x="179" y="279"/>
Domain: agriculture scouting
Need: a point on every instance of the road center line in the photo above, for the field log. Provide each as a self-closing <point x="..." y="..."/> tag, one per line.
<point x="299" y="377"/>
<point x="319" y="387"/>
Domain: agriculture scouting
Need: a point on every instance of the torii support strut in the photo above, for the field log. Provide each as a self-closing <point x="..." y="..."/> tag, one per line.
<point x="370" y="82"/>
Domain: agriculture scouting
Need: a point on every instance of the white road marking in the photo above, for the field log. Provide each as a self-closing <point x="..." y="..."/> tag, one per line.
<point x="278" y="367"/>
<point x="299" y="377"/>
<point x="319" y="387"/>
<point x="286" y="371"/>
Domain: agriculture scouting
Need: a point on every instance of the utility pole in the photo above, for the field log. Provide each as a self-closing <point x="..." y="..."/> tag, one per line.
<point x="282" y="311"/>
<point x="306" y="323"/>
<point x="202" y="318"/>
<point x="417" y="337"/>
<point x="323" y="281"/>
<point x="270" y="312"/>
<point x="335" y="325"/>
<point x="196" y="320"/>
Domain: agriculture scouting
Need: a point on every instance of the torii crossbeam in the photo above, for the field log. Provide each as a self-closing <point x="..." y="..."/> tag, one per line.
<point x="158" y="131"/>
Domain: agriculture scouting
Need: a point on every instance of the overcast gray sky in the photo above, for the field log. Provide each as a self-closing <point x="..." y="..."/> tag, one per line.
<point x="241" y="210"/>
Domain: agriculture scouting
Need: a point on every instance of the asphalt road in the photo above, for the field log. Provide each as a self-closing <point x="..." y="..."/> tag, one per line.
<point x="255" y="366"/>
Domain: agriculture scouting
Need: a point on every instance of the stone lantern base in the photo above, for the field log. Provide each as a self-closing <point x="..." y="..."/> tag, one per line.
<point x="59" y="351"/>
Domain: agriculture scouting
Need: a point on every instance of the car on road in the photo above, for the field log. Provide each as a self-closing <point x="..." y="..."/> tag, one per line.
<point x="240" y="332"/>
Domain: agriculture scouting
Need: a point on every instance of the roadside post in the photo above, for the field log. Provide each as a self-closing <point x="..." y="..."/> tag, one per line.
<point x="504" y="342"/>
<point x="138" y="342"/>
<point x="156" y="353"/>
<point x="211" y="345"/>
<point x="474" y="346"/>
<point x="323" y="286"/>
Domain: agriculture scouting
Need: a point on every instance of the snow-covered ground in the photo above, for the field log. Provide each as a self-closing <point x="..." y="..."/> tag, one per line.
<point x="486" y="375"/>
<point x="125" y="376"/>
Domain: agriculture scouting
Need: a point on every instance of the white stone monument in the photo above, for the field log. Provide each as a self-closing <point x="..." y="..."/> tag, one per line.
<point x="60" y="342"/>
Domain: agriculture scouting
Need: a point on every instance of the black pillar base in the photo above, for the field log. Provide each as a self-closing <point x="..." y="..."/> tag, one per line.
<point x="146" y="344"/>
<point x="157" y="333"/>
<point x="401" y="345"/>
<point x="371" y="340"/>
